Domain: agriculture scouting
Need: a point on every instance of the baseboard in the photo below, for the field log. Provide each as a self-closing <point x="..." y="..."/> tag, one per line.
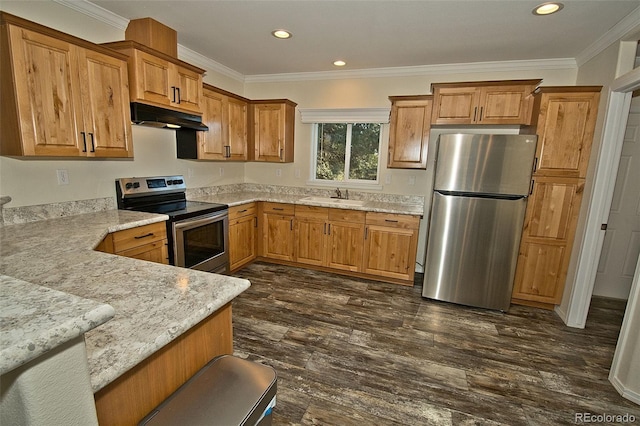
<point x="624" y="391"/>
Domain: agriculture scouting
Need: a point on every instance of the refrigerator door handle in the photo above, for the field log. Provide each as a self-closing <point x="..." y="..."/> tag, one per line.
<point x="531" y="188"/>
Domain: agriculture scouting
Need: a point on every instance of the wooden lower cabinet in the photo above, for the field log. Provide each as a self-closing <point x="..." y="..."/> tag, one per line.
<point x="391" y="243"/>
<point x="243" y="233"/>
<point x="345" y="240"/>
<point x="134" y="394"/>
<point x="277" y="231"/>
<point x="547" y="240"/>
<point x="311" y="235"/>
<point x="148" y="242"/>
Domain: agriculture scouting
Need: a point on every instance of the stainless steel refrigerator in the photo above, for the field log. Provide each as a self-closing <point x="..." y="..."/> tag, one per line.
<point x="480" y="195"/>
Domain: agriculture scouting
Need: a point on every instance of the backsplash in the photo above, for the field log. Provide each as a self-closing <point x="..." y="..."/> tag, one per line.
<point x="12" y="216"/>
<point x="16" y="215"/>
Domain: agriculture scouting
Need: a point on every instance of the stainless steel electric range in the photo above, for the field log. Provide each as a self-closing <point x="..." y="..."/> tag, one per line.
<point x="197" y="231"/>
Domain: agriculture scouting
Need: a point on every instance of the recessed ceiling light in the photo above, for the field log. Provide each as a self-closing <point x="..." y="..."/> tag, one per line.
<point x="339" y="63"/>
<point x="281" y="34"/>
<point x="547" y="8"/>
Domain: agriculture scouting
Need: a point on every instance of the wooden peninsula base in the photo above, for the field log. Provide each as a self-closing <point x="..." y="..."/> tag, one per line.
<point x="133" y="395"/>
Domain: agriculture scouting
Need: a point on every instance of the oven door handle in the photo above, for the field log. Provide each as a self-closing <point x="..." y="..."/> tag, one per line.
<point x="190" y="223"/>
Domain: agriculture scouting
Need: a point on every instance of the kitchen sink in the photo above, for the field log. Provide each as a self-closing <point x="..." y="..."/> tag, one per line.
<point x="336" y="201"/>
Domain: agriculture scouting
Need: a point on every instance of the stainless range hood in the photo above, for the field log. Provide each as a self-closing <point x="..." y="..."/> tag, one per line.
<point x="160" y="117"/>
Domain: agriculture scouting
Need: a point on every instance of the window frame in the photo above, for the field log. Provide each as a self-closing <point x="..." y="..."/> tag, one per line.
<point x="348" y="116"/>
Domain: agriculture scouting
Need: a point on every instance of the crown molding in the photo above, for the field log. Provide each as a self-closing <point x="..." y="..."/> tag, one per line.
<point x="202" y="61"/>
<point x="96" y="12"/>
<point x="626" y="26"/>
<point x="117" y="21"/>
<point x="496" y="66"/>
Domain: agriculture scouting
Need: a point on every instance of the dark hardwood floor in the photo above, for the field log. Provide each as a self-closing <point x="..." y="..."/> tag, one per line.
<point x="356" y="352"/>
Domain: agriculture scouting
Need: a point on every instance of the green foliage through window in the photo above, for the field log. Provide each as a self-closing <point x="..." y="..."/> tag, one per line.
<point x="347" y="151"/>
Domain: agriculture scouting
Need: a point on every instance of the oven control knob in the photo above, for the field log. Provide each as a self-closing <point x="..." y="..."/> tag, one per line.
<point x="129" y="185"/>
<point x="136" y="184"/>
<point x="169" y="182"/>
<point x="178" y="182"/>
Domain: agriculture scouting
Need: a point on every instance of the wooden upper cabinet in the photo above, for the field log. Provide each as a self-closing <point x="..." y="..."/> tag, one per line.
<point x="565" y="121"/>
<point x="493" y="102"/>
<point x="410" y="124"/>
<point x="161" y="80"/>
<point x="226" y="117"/>
<point x="61" y="98"/>
<point x="105" y="95"/>
<point x="273" y="123"/>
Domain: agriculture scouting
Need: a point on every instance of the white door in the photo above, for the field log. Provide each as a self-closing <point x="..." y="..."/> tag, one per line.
<point x="622" y="239"/>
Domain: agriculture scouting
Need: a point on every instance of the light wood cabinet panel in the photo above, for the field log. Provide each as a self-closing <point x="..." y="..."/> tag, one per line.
<point x="243" y="233"/>
<point x="148" y="242"/>
<point x="565" y="126"/>
<point x="161" y="80"/>
<point x="547" y="239"/>
<point x="311" y="240"/>
<point x="539" y="276"/>
<point x="497" y="102"/>
<point x="226" y="117"/>
<point x="391" y="243"/>
<point x="138" y="391"/>
<point x="277" y="231"/>
<point x="61" y="99"/>
<point x="105" y="95"/>
<point x="273" y="130"/>
<point x="345" y="239"/>
<point x="409" y="131"/>
<point x="564" y="120"/>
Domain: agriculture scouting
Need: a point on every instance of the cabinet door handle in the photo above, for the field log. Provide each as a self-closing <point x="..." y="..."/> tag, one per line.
<point x="291" y="225"/>
<point x="391" y="221"/>
<point x="84" y="141"/>
<point x="242" y="211"/>
<point x="329" y="230"/>
<point x="178" y="90"/>
<point x="324" y="229"/>
<point x="173" y="89"/>
<point x="280" y="153"/>
<point x="139" y="237"/>
<point x="531" y="188"/>
<point x="227" y="151"/>
<point x="475" y="113"/>
<point x="255" y="222"/>
<point x="93" y="144"/>
<point x="366" y="232"/>
<point x="481" y="109"/>
<point x="535" y="165"/>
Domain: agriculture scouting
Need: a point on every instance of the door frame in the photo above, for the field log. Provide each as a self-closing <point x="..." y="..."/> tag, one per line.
<point x="598" y="210"/>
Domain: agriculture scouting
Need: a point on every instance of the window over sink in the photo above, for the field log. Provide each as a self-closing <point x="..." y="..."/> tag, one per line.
<point x="346" y="145"/>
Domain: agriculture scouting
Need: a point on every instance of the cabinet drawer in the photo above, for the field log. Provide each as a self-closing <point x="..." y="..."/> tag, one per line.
<point x="343" y="215"/>
<point x="321" y="213"/>
<point x="394" y="220"/>
<point x="242" y="210"/>
<point x="134" y="237"/>
<point x="278" y="208"/>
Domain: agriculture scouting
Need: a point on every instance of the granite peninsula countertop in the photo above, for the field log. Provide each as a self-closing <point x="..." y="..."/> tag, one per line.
<point x="242" y="197"/>
<point x="48" y="260"/>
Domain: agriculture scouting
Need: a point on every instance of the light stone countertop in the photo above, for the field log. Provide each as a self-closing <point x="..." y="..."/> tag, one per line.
<point x="36" y="319"/>
<point x="153" y="303"/>
<point x="237" y="198"/>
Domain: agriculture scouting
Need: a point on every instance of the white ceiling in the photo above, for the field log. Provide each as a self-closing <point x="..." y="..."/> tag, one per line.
<point x="371" y="34"/>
